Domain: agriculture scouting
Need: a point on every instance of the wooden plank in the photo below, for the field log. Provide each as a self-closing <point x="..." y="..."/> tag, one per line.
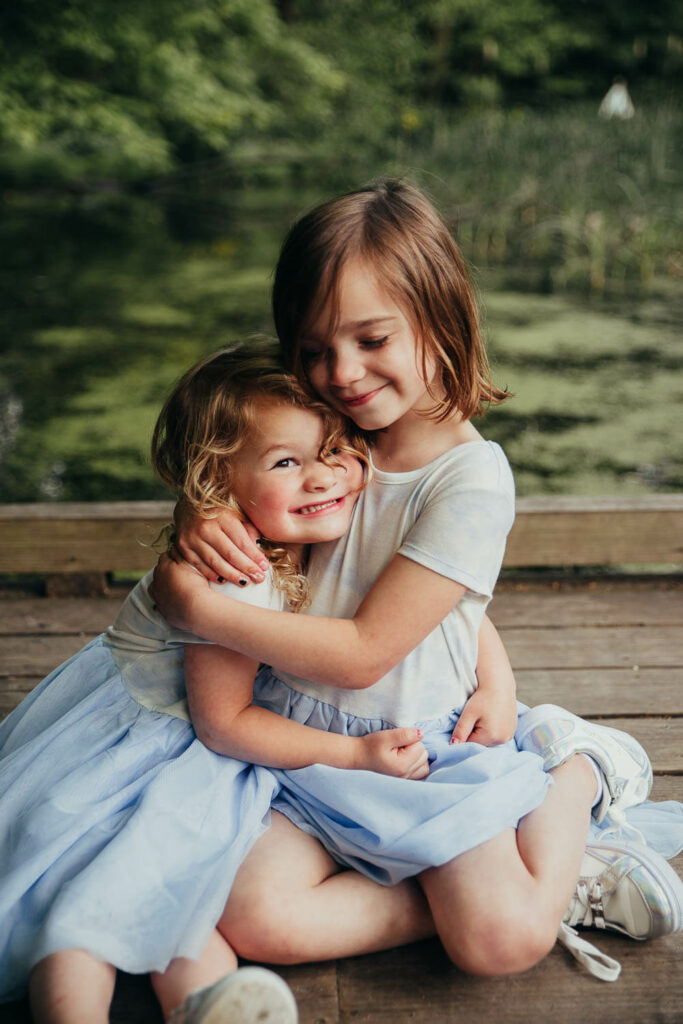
<point x="418" y="985"/>
<point x="600" y="647"/>
<point x="604" y="691"/>
<point x="36" y="656"/>
<point x="668" y="787"/>
<point x="586" y="605"/>
<point x="78" y="538"/>
<point x="597" y="531"/>
<point x="315" y="990"/>
<point x="659" y="604"/>
<point x="553" y="531"/>
<point x="661" y="737"/>
<point x="43" y="616"/>
<point x="590" y="604"/>
<point x="13" y="690"/>
<point x="586" y="692"/>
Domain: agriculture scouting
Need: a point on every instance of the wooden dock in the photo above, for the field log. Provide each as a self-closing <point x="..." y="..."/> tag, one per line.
<point x="607" y="647"/>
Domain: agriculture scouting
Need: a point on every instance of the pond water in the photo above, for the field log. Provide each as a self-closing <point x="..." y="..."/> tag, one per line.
<point x="106" y="302"/>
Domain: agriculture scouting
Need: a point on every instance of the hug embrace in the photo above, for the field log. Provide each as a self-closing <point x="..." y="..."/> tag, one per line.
<point x="301" y="739"/>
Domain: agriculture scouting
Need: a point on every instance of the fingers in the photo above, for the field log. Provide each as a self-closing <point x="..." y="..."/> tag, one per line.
<point x="224" y="564"/>
<point x="464" y="728"/>
<point x="419" y="767"/>
<point x="404" y="737"/>
<point x="244" y="551"/>
<point x="481" y="736"/>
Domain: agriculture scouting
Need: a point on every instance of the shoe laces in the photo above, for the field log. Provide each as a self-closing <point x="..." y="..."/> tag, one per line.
<point x="589" y="956"/>
<point x="619" y="827"/>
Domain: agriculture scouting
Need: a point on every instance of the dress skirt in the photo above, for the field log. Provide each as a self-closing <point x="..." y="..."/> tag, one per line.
<point x="390" y="829"/>
<point x="120" y="833"/>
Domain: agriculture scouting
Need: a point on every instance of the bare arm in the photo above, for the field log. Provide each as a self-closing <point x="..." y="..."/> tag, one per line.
<point x="405" y="604"/>
<point x="220" y="690"/>
<point x="490" y="715"/>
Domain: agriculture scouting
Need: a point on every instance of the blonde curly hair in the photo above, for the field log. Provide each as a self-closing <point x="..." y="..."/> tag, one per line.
<point x="206" y="420"/>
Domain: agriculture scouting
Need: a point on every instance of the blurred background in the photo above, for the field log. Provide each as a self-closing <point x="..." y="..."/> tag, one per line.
<point x="152" y="156"/>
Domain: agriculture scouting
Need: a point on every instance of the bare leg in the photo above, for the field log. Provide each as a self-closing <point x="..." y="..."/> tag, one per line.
<point x="183" y="976"/>
<point x="497" y="908"/>
<point x="71" y="987"/>
<point x="291" y="903"/>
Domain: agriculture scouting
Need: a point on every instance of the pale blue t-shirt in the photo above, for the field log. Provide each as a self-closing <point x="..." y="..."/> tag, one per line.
<point x="452" y="516"/>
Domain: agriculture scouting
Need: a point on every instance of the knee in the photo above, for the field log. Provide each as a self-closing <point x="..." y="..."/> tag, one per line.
<point x="258" y="926"/>
<point x="499" y="942"/>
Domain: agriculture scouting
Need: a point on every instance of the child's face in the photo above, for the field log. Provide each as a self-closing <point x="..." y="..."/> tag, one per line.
<point x="369" y="368"/>
<point x="288" y="492"/>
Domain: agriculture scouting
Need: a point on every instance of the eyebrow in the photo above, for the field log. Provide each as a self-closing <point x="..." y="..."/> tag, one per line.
<point x="354" y="325"/>
<point x="368" y="322"/>
<point x="278" y="447"/>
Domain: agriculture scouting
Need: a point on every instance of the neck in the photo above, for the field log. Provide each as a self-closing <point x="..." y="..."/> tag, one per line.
<point x="416" y="440"/>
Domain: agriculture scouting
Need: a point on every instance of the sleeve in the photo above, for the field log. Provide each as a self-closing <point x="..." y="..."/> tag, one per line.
<point x="259" y="595"/>
<point x="466" y="515"/>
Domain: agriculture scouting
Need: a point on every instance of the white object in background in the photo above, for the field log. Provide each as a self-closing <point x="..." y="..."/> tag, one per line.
<point x="617" y="102"/>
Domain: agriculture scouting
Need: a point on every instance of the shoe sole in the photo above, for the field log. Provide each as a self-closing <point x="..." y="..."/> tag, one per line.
<point x="253" y="995"/>
<point x="665" y="876"/>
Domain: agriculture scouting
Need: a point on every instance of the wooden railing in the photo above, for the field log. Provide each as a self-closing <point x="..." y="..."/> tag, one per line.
<point x="551" y="531"/>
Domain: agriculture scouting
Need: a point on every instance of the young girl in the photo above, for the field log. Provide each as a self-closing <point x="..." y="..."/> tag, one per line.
<point x="375" y="311"/>
<point x="120" y="832"/>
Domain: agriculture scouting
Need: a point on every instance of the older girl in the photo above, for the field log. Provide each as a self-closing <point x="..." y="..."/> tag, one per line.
<point x="375" y="311"/>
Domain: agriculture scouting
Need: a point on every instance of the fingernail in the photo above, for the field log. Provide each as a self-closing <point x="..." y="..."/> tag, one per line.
<point x="221" y="579"/>
<point x="264" y="564"/>
<point x="257" y="577"/>
<point x="242" y="582"/>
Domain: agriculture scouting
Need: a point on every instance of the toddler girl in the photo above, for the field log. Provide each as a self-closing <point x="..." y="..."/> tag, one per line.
<point x="375" y="311"/>
<point x="120" y="832"/>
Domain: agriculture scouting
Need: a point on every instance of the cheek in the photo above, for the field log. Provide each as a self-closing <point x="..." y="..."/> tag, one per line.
<point x="274" y="500"/>
<point x="354" y="474"/>
<point x="317" y="377"/>
<point x="266" y="507"/>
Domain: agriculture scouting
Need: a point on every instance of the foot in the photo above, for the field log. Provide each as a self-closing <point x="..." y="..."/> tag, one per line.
<point x="556" y="734"/>
<point x="623" y="887"/>
<point x="252" y="995"/>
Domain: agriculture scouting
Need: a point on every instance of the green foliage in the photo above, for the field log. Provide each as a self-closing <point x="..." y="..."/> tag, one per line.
<point x="561" y="199"/>
<point x="91" y="89"/>
<point x="490" y="52"/>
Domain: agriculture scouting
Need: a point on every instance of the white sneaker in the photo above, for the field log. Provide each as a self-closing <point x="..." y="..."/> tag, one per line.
<point x="252" y="995"/>
<point x="626" y="888"/>
<point x="555" y="734"/>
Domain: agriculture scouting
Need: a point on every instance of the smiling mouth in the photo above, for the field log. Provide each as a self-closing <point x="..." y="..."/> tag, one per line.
<point x="323" y="506"/>
<point x="356" y="400"/>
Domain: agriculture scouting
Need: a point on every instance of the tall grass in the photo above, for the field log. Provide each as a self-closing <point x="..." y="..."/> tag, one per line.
<point x="561" y="200"/>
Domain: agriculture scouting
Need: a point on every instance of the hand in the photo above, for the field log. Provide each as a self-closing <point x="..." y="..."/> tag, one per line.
<point x="487" y="718"/>
<point x="222" y="549"/>
<point x="396" y="752"/>
<point x="174" y="585"/>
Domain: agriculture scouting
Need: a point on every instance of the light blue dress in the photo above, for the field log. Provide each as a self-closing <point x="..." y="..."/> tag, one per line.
<point x="120" y="833"/>
<point x="390" y="829"/>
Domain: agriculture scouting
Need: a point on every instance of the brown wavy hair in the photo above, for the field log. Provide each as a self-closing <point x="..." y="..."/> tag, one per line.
<point x="206" y="420"/>
<point x="398" y="233"/>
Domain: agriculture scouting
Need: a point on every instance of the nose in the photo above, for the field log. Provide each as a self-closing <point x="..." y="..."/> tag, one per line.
<point x="320" y="476"/>
<point x="345" y="367"/>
